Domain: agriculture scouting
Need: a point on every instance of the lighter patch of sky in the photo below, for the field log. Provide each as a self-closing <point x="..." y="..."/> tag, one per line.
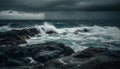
<point x="83" y="3"/>
<point x="17" y="15"/>
<point x="59" y="15"/>
<point x="83" y="15"/>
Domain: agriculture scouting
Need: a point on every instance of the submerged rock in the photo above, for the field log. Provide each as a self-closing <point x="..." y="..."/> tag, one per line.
<point x="83" y="30"/>
<point x="51" y="32"/>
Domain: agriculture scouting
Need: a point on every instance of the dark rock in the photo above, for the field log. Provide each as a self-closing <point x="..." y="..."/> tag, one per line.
<point x="51" y="32"/>
<point x="63" y="63"/>
<point x="83" y="30"/>
<point x="91" y="52"/>
<point x="31" y="55"/>
<point x="39" y="66"/>
<point x="90" y="58"/>
<point x="51" y="50"/>
<point x="16" y="37"/>
<point x="53" y="55"/>
<point x="101" y="62"/>
<point x="29" y="61"/>
<point x="47" y="55"/>
<point x="50" y="46"/>
<point x="20" y="63"/>
<point x="26" y="60"/>
<point x="67" y="49"/>
<point x="14" y="51"/>
<point x="13" y="62"/>
<point x="3" y="56"/>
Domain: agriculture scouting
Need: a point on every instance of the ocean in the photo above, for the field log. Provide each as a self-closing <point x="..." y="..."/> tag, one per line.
<point x="77" y="34"/>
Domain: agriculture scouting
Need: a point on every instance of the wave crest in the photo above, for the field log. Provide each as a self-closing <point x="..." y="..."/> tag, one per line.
<point x="78" y="37"/>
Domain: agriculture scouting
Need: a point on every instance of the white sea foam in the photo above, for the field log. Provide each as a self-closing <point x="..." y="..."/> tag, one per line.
<point x="8" y="28"/>
<point x="76" y="37"/>
<point x="46" y="28"/>
<point x="5" y="28"/>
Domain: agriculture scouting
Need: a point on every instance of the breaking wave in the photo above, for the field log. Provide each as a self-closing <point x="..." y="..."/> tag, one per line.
<point x="5" y="28"/>
<point x="78" y="38"/>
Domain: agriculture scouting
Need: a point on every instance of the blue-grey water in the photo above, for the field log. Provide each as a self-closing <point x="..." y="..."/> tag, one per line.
<point x="101" y="33"/>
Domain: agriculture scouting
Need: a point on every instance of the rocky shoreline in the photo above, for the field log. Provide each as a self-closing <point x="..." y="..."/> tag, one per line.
<point x="51" y="55"/>
<point x="33" y="54"/>
<point x="15" y="37"/>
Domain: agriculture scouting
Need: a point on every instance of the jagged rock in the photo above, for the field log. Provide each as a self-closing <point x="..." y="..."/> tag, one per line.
<point x="39" y="66"/>
<point x="90" y="58"/>
<point x="14" y="51"/>
<point x="47" y="55"/>
<point x="32" y="54"/>
<point x="16" y="37"/>
<point x="101" y="62"/>
<point x="91" y="52"/>
<point x="51" y="32"/>
<point x="50" y="46"/>
<point x="13" y="62"/>
<point x="51" y="50"/>
<point x="83" y="30"/>
<point x="3" y="56"/>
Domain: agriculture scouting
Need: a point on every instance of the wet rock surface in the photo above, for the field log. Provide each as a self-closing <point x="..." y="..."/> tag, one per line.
<point x="51" y="55"/>
<point x="91" y="58"/>
<point x="32" y="55"/>
<point x="15" y="37"/>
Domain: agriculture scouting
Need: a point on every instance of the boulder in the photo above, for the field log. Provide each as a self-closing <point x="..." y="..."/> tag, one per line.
<point x="15" y="37"/>
<point x="13" y="62"/>
<point x="47" y="55"/>
<point x="30" y="55"/>
<point x="3" y="56"/>
<point x="84" y="30"/>
<point x="50" y="46"/>
<point x="91" y="52"/>
<point x="14" y="51"/>
<point x="90" y="58"/>
<point x="51" y="32"/>
<point x="50" y="50"/>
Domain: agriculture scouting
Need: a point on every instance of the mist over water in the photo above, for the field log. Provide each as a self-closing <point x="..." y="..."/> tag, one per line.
<point x="77" y="35"/>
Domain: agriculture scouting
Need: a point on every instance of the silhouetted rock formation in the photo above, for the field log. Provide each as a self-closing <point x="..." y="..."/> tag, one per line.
<point x="85" y="30"/>
<point x="52" y="55"/>
<point x="15" y="37"/>
<point x="33" y="54"/>
<point x="91" y="58"/>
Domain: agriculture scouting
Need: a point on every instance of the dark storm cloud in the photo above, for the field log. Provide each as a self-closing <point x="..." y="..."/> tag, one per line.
<point x="59" y="5"/>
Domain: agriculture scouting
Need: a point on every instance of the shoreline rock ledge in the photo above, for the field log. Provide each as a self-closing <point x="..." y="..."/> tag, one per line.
<point x="16" y="37"/>
<point x="31" y="56"/>
<point x="51" y="55"/>
<point x="90" y="58"/>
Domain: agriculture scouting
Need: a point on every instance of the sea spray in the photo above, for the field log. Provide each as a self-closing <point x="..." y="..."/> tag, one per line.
<point x="78" y="38"/>
<point x="5" y="28"/>
<point x="46" y="28"/>
<point x="96" y="36"/>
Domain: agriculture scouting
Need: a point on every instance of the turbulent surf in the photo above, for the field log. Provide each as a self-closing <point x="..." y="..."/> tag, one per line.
<point x="78" y="37"/>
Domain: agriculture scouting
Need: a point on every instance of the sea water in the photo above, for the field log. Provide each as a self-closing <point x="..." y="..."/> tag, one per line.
<point x="77" y="34"/>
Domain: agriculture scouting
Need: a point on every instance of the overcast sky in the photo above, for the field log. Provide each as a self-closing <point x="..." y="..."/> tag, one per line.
<point x="40" y="9"/>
